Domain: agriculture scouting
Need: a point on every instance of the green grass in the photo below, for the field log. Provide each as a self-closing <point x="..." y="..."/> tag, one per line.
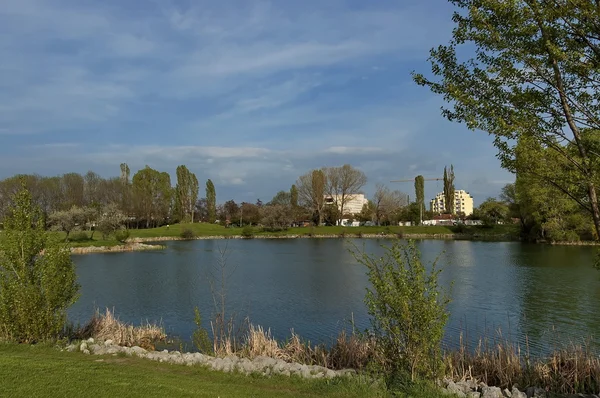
<point x="33" y="371"/>
<point x="205" y="229"/>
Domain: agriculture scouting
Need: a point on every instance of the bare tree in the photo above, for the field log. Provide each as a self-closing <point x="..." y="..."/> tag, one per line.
<point x="311" y="192"/>
<point x="387" y="203"/>
<point x="343" y="183"/>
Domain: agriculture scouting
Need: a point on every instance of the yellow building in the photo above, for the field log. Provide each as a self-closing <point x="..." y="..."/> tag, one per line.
<point x="463" y="203"/>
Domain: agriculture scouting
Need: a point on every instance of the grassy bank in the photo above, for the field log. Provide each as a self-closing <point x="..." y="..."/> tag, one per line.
<point x="45" y="371"/>
<point x="205" y="230"/>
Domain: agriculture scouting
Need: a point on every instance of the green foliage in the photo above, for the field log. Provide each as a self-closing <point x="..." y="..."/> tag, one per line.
<point x="408" y="311"/>
<point x="35" y="289"/>
<point x="211" y="201"/>
<point x="420" y="192"/>
<point x="187" y="234"/>
<point x="111" y="220"/>
<point x="532" y="75"/>
<point x="152" y="194"/>
<point x="449" y="190"/>
<point x="491" y="212"/>
<point x="122" y="235"/>
<point x="79" y="236"/>
<point x="248" y="232"/>
<point x="200" y="336"/>
<point x="186" y="193"/>
<point x="276" y="218"/>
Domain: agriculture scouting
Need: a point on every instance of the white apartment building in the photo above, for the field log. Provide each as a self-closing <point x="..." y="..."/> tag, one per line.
<point x="463" y="203"/>
<point x="354" y="202"/>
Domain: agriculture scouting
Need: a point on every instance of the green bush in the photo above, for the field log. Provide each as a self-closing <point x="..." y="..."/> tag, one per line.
<point x="408" y="312"/>
<point x="79" y="236"/>
<point x="122" y="235"/>
<point x="187" y="234"/>
<point x="248" y="232"/>
<point x="200" y="336"/>
<point x="35" y="290"/>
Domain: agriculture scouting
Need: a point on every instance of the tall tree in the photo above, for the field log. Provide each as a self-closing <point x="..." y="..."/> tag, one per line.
<point x="152" y="194"/>
<point x="294" y="196"/>
<point x="449" y="190"/>
<point x="342" y="183"/>
<point x="282" y="198"/>
<point x="311" y="192"/>
<point x="186" y="193"/>
<point x="211" y="201"/>
<point x="126" y="199"/>
<point x="420" y="194"/>
<point x="534" y="73"/>
<point x="73" y="192"/>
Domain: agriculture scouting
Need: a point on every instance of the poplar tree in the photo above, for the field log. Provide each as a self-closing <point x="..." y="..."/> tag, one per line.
<point x="211" y="201"/>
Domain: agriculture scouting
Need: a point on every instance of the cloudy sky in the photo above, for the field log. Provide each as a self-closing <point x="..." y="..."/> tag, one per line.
<point x="248" y="93"/>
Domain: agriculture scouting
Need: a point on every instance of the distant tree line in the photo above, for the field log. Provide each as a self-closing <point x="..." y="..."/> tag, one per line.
<point x="89" y="202"/>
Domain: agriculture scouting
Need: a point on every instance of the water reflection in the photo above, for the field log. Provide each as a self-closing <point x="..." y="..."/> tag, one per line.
<point x="315" y="285"/>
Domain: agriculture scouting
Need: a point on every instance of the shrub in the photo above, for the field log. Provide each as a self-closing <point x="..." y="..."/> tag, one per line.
<point x="35" y="290"/>
<point x="247" y="232"/>
<point x="122" y="235"/>
<point x="408" y="312"/>
<point x="79" y="236"/>
<point x="187" y="234"/>
<point x="200" y="336"/>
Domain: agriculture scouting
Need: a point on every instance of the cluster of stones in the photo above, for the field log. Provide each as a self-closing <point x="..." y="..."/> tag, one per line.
<point x="472" y="389"/>
<point x="259" y="365"/>
<point x="267" y="366"/>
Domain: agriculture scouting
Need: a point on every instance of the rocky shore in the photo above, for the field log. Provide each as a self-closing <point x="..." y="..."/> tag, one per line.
<point x="260" y="365"/>
<point x="267" y="366"/>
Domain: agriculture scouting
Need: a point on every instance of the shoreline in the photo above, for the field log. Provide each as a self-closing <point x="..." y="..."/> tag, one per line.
<point x="139" y="244"/>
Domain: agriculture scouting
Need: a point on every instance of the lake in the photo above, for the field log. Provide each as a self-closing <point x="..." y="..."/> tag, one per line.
<point x="315" y="286"/>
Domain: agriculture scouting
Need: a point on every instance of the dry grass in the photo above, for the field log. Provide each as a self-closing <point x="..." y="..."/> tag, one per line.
<point x="352" y="351"/>
<point x="107" y="327"/>
<point x="570" y="370"/>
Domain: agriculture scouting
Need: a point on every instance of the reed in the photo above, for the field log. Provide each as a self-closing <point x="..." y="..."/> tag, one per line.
<point x="571" y="369"/>
<point x="108" y="327"/>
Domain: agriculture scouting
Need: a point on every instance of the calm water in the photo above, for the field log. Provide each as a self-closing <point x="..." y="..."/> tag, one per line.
<point x="315" y="286"/>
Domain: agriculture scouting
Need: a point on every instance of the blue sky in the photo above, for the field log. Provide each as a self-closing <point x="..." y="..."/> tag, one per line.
<point x="251" y="94"/>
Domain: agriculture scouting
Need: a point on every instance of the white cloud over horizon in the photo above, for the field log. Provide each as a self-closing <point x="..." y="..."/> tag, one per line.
<point x="250" y="94"/>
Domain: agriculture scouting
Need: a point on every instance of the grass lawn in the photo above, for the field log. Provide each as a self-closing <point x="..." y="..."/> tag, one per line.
<point x="35" y="371"/>
<point x="501" y="232"/>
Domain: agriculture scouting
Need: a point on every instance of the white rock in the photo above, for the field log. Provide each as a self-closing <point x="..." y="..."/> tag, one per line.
<point x="86" y="351"/>
<point x="83" y="346"/>
<point x="491" y="392"/>
<point x="516" y="393"/>
<point x="138" y="350"/>
<point x="506" y="392"/>
<point x="455" y="389"/>
<point x="108" y="342"/>
<point x="473" y="394"/>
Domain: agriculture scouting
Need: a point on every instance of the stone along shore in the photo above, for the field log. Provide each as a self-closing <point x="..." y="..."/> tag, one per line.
<point x="267" y="366"/>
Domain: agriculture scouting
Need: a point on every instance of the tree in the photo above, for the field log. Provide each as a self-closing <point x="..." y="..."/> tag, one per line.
<point x="311" y="192"/>
<point x="126" y="198"/>
<point x="342" y="183"/>
<point x="492" y="211"/>
<point x="534" y="74"/>
<point x="211" y="201"/>
<point x="276" y="217"/>
<point x="35" y="289"/>
<point x="186" y="193"/>
<point x="152" y="195"/>
<point x="294" y="196"/>
<point x="367" y="213"/>
<point x="386" y="203"/>
<point x="449" y="190"/>
<point x="231" y="211"/>
<point x="111" y="220"/>
<point x="202" y="209"/>
<point x="72" y="185"/>
<point x="420" y="194"/>
<point x="67" y="220"/>
<point x="250" y="213"/>
<point x="282" y="198"/>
